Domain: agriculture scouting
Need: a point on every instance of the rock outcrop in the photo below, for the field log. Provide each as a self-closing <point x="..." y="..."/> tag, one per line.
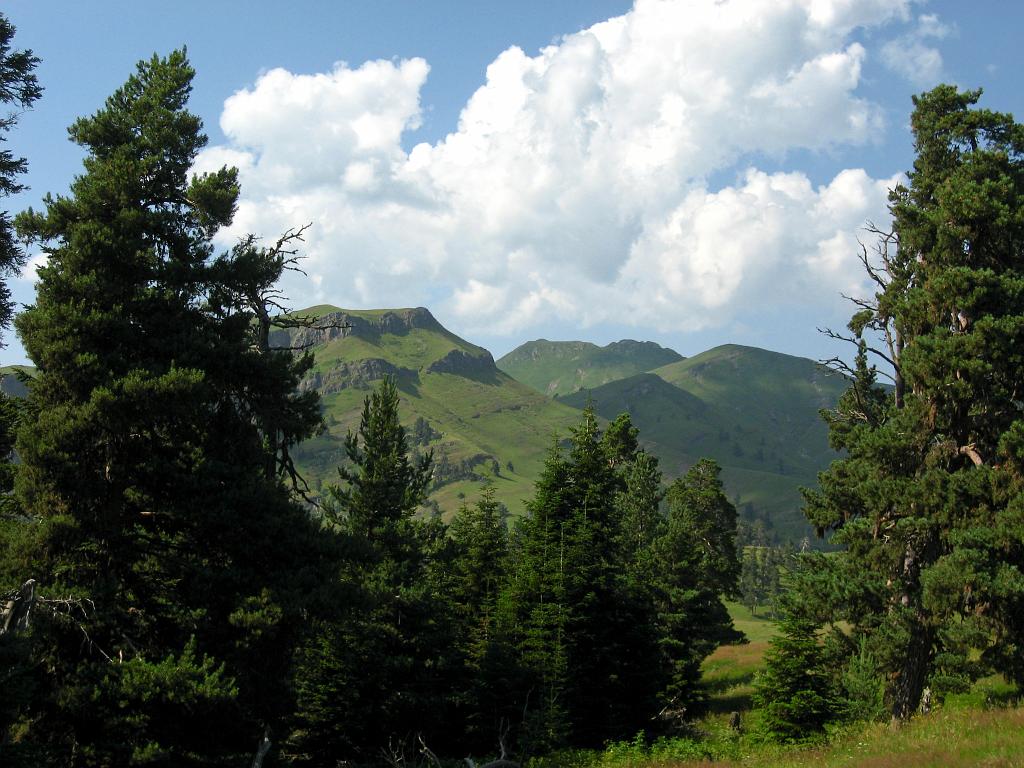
<point x="334" y="325"/>
<point x="355" y="375"/>
<point x="464" y="364"/>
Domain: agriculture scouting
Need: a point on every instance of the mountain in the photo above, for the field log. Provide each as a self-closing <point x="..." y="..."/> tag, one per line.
<point x="559" y="368"/>
<point x="479" y="422"/>
<point x="755" y="412"/>
<point x="774" y="395"/>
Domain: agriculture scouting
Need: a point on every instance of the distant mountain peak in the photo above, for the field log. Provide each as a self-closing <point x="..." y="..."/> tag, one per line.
<point x="563" y="367"/>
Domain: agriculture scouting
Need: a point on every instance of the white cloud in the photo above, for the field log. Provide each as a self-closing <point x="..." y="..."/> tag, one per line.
<point x="575" y="186"/>
<point x="913" y="57"/>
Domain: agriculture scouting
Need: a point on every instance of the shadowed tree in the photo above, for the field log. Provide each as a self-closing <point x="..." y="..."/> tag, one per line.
<point x="185" y="568"/>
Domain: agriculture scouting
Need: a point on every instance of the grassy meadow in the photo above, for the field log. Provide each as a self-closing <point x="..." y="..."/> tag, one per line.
<point x="980" y="729"/>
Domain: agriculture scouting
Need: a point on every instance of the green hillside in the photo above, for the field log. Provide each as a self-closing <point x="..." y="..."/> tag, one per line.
<point x="755" y="412"/>
<point x="11" y="382"/>
<point x="768" y="395"/>
<point x="479" y="422"/>
<point x="563" y="367"/>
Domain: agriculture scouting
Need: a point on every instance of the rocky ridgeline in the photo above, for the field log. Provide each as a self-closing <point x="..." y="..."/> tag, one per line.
<point x="361" y="374"/>
<point x="338" y="325"/>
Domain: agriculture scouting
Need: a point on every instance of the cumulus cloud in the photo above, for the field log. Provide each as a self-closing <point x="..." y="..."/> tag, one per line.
<point x="575" y="186"/>
<point x="913" y="56"/>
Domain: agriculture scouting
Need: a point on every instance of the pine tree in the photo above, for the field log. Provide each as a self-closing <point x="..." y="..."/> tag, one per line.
<point x="18" y="86"/>
<point x="534" y="607"/>
<point x="927" y="500"/>
<point x="184" y="569"/>
<point x="696" y="564"/>
<point x="478" y="571"/>
<point x="794" y="690"/>
<point x="372" y="672"/>
<point x="583" y="634"/>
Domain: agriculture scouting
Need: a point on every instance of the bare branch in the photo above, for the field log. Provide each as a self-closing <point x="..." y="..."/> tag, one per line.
<point x="971" y="452"/>
<point x="856" y="342"/>
<point x="427" y="752"/>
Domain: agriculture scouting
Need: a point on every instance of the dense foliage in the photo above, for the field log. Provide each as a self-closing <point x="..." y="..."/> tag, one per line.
<point x="927" y="500"/>
<point x="172" y="565"/>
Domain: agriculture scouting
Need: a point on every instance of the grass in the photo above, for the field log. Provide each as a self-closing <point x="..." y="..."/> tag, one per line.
<point x="729" y="671"/>
<point x="478" y="415"/>
<point x="983" y="728"/>
<point x="947" y="738"/>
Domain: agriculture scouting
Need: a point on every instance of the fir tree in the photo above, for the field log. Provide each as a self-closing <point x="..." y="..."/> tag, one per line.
<point x="184" y="568"/>
<point x="583" y="635"/>
<point x="19" y="87"/>
<point x="478" y="571"/>
<point x="373" y="671"/>
<point x="696" y="564"/>
<point x="794" y="690"/>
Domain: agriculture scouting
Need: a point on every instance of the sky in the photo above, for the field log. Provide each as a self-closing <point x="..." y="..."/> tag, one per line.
<point x="691" y="172"/>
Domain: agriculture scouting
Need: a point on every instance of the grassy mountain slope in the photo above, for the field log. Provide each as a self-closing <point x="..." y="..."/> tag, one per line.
<point x="563" y="367"/>
<point x="765" y="395"/>
<point x="482" y="423"/>
<point x="11" y="379"/>
<point x="755" y="412"/>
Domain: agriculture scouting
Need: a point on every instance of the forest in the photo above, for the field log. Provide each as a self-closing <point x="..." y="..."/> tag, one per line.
<point x="173" y="593"/>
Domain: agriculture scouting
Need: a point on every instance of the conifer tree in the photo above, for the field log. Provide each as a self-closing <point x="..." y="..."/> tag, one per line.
<point x="182" y="569"/>
<point x="535" y="606"/>
<point x="372" y="671"/>
<point x="794" y="690"/>
<point x="583" y="635"/>
<point x="696" y="564"/>
<point x="927" y="499"/>
<point x="478" y="570"/>
<point x="18" y="87"/>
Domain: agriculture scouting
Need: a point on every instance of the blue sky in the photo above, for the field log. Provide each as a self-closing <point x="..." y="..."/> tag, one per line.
<point x="692" y="172"/>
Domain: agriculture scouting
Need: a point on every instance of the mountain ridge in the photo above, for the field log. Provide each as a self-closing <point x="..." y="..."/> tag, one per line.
<point x="753" y="410"/>
<point x="563" y="367"/>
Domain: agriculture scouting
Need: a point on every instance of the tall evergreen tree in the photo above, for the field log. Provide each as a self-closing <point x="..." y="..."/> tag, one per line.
<point x="18" y="87"/>
<point x="372" y="674"/>
<point x="478" y="569"/>
<point x="583" y="636"/>
<point x="183" y="568"/>
<point x="928" y="497"/>
<point x="696" y="564"/>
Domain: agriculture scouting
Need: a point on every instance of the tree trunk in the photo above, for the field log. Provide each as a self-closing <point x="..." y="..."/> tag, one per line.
<point x="907" y="684"/>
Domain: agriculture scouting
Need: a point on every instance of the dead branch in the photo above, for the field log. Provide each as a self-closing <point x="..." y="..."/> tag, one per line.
<point x="262" y="749"/>
<point x="856" y="342"/>
<point x="971" y="452"/>
<point x="427" y="752"/>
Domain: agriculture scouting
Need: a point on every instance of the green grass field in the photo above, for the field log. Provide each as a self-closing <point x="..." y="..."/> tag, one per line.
<point x="980" y="729"/>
